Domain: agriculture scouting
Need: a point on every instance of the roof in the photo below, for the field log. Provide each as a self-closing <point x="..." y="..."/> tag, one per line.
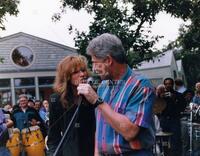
<point x="38" y="38"/>
<point x="158" y="62"/>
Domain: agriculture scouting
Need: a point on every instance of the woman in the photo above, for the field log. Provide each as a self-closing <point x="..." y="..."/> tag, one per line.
<point x="79" y="141"/>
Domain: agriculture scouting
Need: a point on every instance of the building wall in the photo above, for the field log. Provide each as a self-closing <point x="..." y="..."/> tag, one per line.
<point x="46" y="56"/>
<point x="157" y="72"/>
<point x="156" y="75"/>
<point x="37" y="78"/>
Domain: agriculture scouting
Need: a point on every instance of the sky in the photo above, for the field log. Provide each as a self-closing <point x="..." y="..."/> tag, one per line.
<point x="35" y="18"/>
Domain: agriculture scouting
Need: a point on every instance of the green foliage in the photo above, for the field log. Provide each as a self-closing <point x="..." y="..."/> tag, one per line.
<point x="7" y="6"/>
<point x="191" y="63"/>
<point x="130" y="21"/>
<point x="189" y="40"/>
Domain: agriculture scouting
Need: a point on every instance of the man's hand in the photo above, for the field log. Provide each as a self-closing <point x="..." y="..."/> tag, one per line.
<point x="88" y="92"/>
<point x="9" y="123"/>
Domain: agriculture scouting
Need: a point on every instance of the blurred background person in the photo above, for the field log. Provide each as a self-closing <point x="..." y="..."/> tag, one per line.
<point x="25" y="116"/>
<point x="31" y="103"/>
<point x="196" y="98"/>
<point x="179" y="86"/>
<point x="170" y="116"/>
<point x="38" y="105"/>
<point x="4" y="136"/>
<point x="44" y="111"/>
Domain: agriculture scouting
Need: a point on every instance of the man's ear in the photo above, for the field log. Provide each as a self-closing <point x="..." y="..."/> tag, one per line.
<point x="109" y="60"/>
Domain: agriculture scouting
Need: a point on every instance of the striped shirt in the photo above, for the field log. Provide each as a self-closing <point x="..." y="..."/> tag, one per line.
<point x="132" y="96"/>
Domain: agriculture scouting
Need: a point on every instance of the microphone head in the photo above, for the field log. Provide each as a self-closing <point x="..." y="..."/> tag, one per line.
<point x="94" y="81"/>
<point x="90" y="80"/>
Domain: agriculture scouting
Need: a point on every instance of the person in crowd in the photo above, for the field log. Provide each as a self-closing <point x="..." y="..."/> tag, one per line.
<point x="188" y="95"/>
<point x="8" y="108"/>
<point x="4" y="136"/>
<point x="160" y="102"/>
<point x="179" y="86"/>
<point x="123" y="101"/>
<point x="31" y="103"/>
<point x="44" y="111"/>
<point x="196" y="98"/>
<point x="38" y="105"/>
<point x="170" y="117"/>
<point x="25" y="116"/>
<point x="63" y="104"/>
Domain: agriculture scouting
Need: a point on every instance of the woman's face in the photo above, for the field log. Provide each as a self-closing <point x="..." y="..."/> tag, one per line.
<point x="79" y="76"/>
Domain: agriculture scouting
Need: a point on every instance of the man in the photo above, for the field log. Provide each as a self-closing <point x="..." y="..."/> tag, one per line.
<point x="170" y="117"/>
<point x="25" y="116"/>
<point x="124" y="101"/>
<point x="179" y="86"/>
<point x="4" y="136"/>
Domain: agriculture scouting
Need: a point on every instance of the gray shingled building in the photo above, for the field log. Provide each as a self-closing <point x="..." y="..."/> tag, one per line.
<point x="29" y="66"/>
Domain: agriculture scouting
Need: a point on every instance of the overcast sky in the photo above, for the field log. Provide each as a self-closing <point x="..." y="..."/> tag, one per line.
<point x="35" y="19"/>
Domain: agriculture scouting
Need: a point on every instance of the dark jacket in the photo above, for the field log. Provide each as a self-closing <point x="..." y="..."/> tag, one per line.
<point x="175" y="105"/>
<point x="81" y="135"/>
<point x="22" y="119"/>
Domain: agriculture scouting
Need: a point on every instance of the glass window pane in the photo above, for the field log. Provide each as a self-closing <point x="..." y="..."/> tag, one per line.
<point x="30" y="92"/>
<point x="24" y="82"/>
<point x="5" y="97"/>
<point x="22" y="56"/>
<point x="45" y="93"/>
<point x="46" y="80"/>
<point x="4" y="82"/>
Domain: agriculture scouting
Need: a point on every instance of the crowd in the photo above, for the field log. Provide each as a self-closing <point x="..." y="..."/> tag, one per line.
<point x="117" y="119"/>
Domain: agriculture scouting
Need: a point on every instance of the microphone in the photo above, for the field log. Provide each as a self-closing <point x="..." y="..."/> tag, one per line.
<point x="94" y="81"/>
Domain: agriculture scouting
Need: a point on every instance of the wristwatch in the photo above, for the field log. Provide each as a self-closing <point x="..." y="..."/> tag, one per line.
<point x="98" y="102"/>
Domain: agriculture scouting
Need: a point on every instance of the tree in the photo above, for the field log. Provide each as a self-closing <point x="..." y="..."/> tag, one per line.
<point x="10" y="7"/>
<point x="7" y="6"/>
<point x="129" y="20"/>
<point x="188" y="41"/>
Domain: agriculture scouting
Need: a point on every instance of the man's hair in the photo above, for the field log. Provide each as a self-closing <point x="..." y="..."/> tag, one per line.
<point x="23" y="96"/>
<point x="107" y="44"/>
<point x="179" y="82"/>
<point x="170" y="79"/>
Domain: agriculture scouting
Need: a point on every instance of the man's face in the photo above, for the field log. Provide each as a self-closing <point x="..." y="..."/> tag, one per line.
<point x="100" y="67"/>
<point x="23" y="102"/>
<point x="168" y="85"/>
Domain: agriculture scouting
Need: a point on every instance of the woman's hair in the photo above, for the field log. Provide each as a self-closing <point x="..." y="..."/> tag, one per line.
<point x="160" y="89"/>
<point x="65" y="69"/>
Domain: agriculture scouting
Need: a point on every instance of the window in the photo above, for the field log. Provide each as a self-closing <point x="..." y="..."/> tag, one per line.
<point x="5" y="92"/>
<point x="45" y="87"/>
<point x="5" y="97"/>
<point x="24" y="86"/>
<point x="22" y="56"/>
<point x="20" y="82"/>
<point x="46" y="81"/>
<point x="4" y="83"/>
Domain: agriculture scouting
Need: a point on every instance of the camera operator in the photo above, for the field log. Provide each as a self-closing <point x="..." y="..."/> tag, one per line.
<point x="170" y="117"/>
